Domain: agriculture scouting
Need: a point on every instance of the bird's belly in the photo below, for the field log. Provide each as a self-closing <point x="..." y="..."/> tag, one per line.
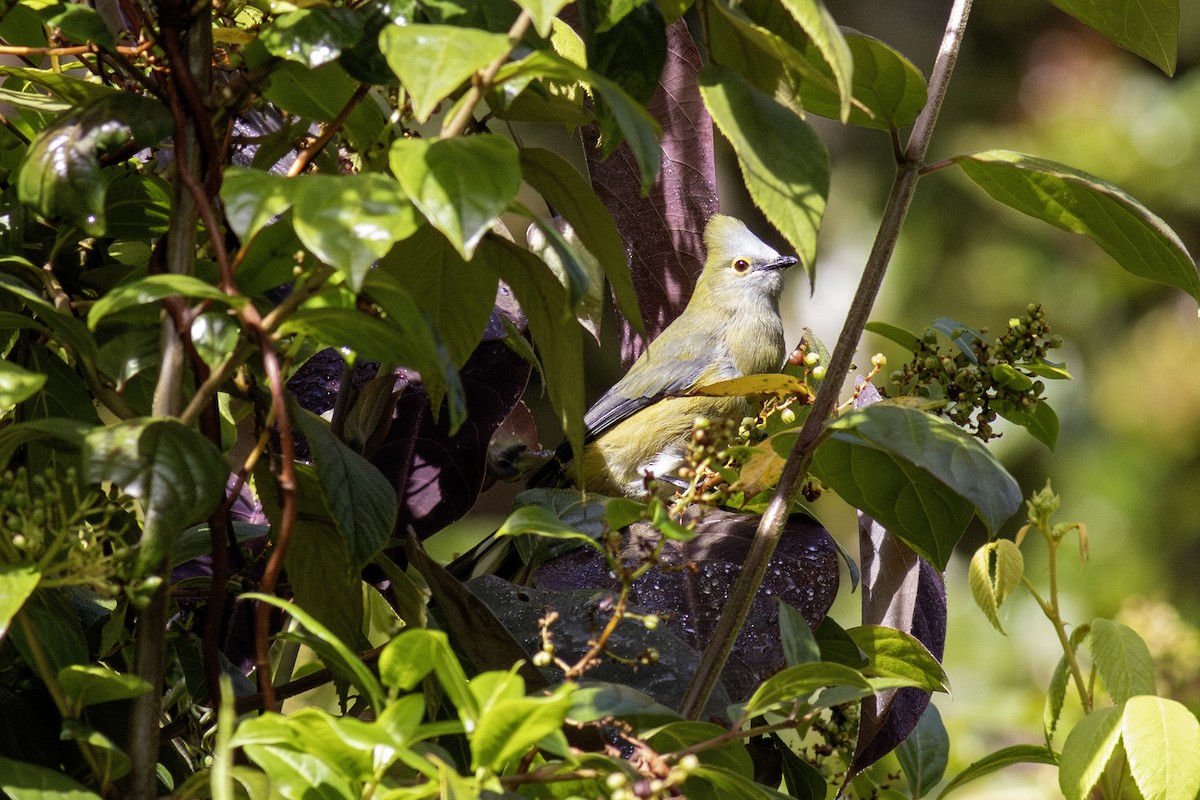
<point x="653" y="440"/>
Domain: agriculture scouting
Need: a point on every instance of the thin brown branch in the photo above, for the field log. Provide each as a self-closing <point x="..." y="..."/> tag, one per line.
<point x="482" y="81"/>
<point x="305" y="157"/>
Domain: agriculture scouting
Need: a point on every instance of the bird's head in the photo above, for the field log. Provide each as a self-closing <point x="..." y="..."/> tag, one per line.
<point x="739" y="264"/>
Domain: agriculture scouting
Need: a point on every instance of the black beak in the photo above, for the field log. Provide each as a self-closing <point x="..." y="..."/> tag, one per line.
<point x="783" y="262"/>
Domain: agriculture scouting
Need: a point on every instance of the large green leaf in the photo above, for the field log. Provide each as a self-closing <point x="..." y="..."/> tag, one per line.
<point x="351" y="221"/>
<point x="177" y="474"/>
<point x="1087" y="750"/>
<point x="434" y="60"/>
<point x="153" y="288"/>
<point x="571" y="195"/>
<point x="415" y="653"/>
<point x="1149" y="28"/>
<point x="1161" y="739"/>
<point x="361" y="500"/>
<point x="925" y="753"/>
<point x="508" y="727"/>
<point x="62" y="175"/>
<point x="795" y="684"/>
<point x="637" y="127"/>
<point x="822" y="30"/>
<point x="895" y="654"/>
<point x="889" y="92"/>
<point x="18" y="384"/>
<point x="1081" y="203"/>
<point x="559" y="340"/>
<point x="253" y="197"/>
<point x="916" y="474"/>
<point x="311" y="36"/>
<point x="752" y="39"/>
<point x="457" y="295"/>
<point x="1122" y="659"/>
<point x="461" y="185"/>
<point x="784" y="164"/>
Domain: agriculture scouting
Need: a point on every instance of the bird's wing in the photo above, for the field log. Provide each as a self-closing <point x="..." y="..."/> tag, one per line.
<point x="647" y="386"/>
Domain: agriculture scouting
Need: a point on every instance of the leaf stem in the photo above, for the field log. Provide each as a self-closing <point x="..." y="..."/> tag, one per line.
<point x="772" y="524"/>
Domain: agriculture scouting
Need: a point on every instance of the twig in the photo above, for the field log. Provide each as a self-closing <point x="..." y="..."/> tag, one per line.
<point x="771" y="526"/>
<point x="482" y="81"/>
<point x="327" y="133"/>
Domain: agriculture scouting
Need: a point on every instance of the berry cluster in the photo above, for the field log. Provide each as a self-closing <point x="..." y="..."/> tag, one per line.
<point x="70" y="537"/>
<point x="982" y="379"/>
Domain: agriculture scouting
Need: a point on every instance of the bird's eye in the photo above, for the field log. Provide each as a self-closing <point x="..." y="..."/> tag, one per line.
<point x="740" y="265"/>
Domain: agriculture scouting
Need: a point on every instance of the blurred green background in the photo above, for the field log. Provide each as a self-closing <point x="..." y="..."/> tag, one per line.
<point x="1127" y="464"/>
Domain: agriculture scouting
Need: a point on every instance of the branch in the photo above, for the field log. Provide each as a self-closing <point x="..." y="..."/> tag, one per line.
<point x="772" y="524"/>
<point x="482" y="81"/>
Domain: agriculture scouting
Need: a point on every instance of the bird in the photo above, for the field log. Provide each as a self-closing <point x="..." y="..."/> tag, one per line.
<point x="731" y="327"/>
<point x="636" y="433"/>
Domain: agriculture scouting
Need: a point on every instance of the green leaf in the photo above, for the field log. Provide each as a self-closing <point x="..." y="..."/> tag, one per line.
<point x="995" y="570"/>
<point x="907" y="499"/>
<point x="434" y="60"/>
<point x="543" y="300"/>
<point x="924" y="753"/>
<point x="177" y="474"/>
<point x="822" y="30"/>
<point x="730" y="756"/>
<point x="24" y="781"/>
<point x="801" y="779"/>
<point x="1161" y="739"/>
<point x="797" y="683"/>
<point x="1056" y="695"/>
<point x="62" y="176"/>
<point x="69" y="433"/>
<point x="403" y="338"/>
<point x="18" y="384"/>
<point x="457" y="295"/>
<point x="1004" y="757"/>
<point x="461" y="185"/>
<point x="895" y="654"/>
<point x="1040" y="421"/>
<point x="253" y="197"/>
<point x="543" y="13"/>
<point x="571" y="195"/>
<point x="509" y="727"/>
<point x="1075" y="201"/>
<point x="153" y="288"/>
<point x="596" y="700"/>
<point x="364" y="679"/>
<point x="17" y="582"/>
<point x="412" y="655"/>
<point x="311" y="36"/>
<point x="79" y="24"/>
<point x="351" y="221"/>
<point x="1122" y="659"/>
<point x="938" y="447"/>
<point x="89" y="684"/>
<point x="541" y="521"/>
<point x="799" y="644"/>
<point x="902" y="337"/>
<point x="159" y="461"/>
<point x="361" y="500"/>
<point x="889" y="92"/>
<point x="419" y="348"/>
<point x="784" y="164"/>
<point x="316" y="94"/>
<point x="637" y="127"/>
<point x="1087" y="750"/>
<point x="1149" y="28"/>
